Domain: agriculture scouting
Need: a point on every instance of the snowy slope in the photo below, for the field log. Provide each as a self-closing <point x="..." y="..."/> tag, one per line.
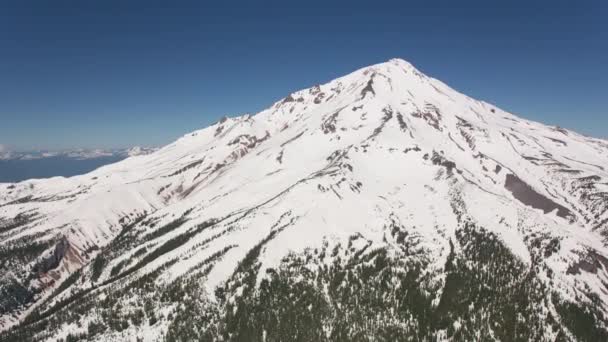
<point x="384" y="167"/>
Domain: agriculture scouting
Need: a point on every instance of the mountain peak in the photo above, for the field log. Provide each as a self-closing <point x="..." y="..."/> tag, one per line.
<point x="400" y="62"/>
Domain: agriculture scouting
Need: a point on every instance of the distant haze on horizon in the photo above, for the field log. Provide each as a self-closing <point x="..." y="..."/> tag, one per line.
<point x="116" y="74"/>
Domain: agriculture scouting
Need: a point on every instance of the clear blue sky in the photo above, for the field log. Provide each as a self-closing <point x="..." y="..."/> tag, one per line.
<point x="121" y="73"/>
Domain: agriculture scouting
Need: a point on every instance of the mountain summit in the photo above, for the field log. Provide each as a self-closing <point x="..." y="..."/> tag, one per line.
<point x="381" y="206"/>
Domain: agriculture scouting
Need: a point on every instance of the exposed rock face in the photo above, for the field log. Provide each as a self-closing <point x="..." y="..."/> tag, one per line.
<point x="381" y="206"/>
<point x="528" y="196"/>
<point x="52" y="261"/>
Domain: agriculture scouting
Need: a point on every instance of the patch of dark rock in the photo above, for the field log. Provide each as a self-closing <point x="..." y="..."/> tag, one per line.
<point x="464" y="123"/>
<point x="511" y="143"/>
<point x="338" y="88"/>
<point x="454" y="141"/>
<point x="369" y="87"/>
<point x="553" y="162"/>
<point x="561" y="130"/>
<point x="239" y="153"/>
<point x="516" y="137"/>
<point x="249" y="141"/>
<point x="497" y="169"/>
<point x="415" y="149"/>
<point x="289" y="98"/>
<point x="464" y="127"/>
<point x="355" y="108"/>
<point x="401" y="121"/>
<point x="528" y="196"/>
<point x="274" y="172"/>
<point x="242" y="139"/>
<point x="364" y="147"/>
<point x="52" y="261"/>
<point x="217" y="167"/>
<point x="336" y="193"/>
<point x="257" y="140"/>
<point x="293" y="139"/>
<point x="388" y="114"/>
<point x="163" y="188"/>
<point x="319" y="98"/>
<point x="431" y="116"/>
<point x="570" y="171"/>
<point x="557" y="141"/>
<point x="218" y="130"/>
<point x="336" y="156"/>
<point x="329" y="125"/>
<point x="280" y="157"/>
<point x="356" y="187"/>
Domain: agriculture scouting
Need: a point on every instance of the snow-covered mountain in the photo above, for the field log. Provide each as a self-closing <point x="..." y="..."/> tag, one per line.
<point x="381" y="206"/>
